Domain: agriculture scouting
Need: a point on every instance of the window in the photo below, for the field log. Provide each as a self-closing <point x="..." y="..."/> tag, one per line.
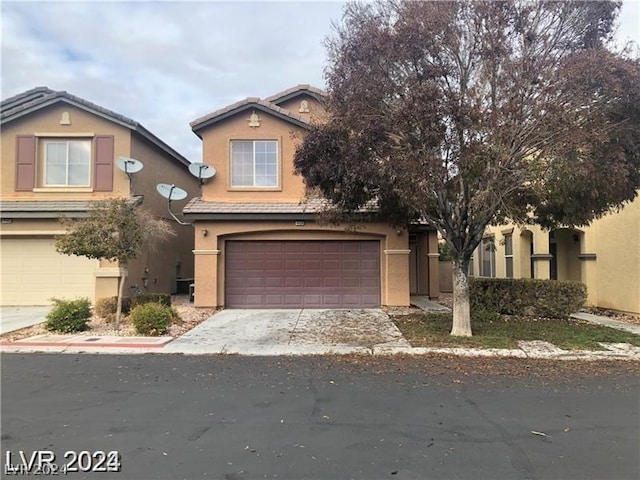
<point x="508" y="255"/>
<point x="487" y="257"/>
<point x="254" y="163"/>
<point x="67" y="163"/>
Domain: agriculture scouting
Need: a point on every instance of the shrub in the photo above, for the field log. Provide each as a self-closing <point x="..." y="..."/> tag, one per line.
<point x="524" y="296"/>
<point x="485" y="316"/>
<point x="161" y="298"/>
<point x="106" y="307"/>
<point x="151" y="318"/>
<point x="68" y="316"/>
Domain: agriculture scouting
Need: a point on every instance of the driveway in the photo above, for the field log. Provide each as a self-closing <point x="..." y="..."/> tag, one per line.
<point x="291" y="331"/>
<point x="15" y="318"/>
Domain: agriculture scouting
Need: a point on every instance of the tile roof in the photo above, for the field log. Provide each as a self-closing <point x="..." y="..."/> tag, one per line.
<point x="197" y="205"/>
<point x="44" y="205"/>
<point x="309" y="206"/>
<point x="48" y="208"/>
<point x="40" y="97"/>
<point x="295" y="91"/>
<point x="247" y="104"/>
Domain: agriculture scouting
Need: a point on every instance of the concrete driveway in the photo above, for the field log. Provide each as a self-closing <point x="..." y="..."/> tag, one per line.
<point x="290" y="332"/>
<point x="15" y="318"/>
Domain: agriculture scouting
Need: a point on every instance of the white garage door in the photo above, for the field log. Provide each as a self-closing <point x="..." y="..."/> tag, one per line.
<point x="33" y="272"/>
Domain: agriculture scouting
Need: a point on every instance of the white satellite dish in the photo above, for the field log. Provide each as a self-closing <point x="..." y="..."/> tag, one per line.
<point x="129" y="165"/>
<point x="201" y="171"/>
<point x="171" y="192"/>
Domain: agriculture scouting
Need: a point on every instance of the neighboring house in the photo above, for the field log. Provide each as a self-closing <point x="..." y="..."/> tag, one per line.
<point x="257" y="243"/>
<point x="605" y="256"/>
<point x="59" y="155"/>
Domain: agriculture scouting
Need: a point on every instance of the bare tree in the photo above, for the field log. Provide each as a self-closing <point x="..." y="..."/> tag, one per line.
<point x="463" y="114"/>
<point x="116" y="230"/>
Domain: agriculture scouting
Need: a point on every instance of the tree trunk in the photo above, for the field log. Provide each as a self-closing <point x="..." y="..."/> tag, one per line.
<point x="461" y="310"/>
<point x="123" y="276"/>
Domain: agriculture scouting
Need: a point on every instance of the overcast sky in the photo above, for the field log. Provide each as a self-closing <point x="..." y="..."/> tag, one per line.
<point x="165" y="64"/>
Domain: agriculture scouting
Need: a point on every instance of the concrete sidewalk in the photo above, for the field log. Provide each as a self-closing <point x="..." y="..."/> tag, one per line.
<point x="607" y="322"/>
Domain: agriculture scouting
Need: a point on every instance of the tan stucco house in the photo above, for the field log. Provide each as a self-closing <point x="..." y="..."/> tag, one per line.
<point x="605" y="256"/>
<point x="59" y="154"/>
<point x="257" y="241"/>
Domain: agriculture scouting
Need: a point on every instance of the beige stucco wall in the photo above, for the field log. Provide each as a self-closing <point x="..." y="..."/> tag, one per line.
<point x="157" y="269"/>
<point x="216" y="152"/>
<point x="47" y="121"/>
<point x="216" y="148"/>
<point x="316" y="112"/>
<point x="210" y="250"/>
<point x="612" y="278"/>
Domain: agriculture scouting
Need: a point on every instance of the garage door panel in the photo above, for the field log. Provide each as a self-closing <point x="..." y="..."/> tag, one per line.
<point x="311" y="274"/>
<point x="293" y="282"/>
<point x="369" y="282"/>
<point x="312" y="282"/>
<point x="293" y="247"/>
<point x="331" y="282"/>
<point x="276" y="282"/>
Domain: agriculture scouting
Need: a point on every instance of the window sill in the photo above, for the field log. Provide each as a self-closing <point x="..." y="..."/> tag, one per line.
<point x="63" y="189"/>
<point x="254" y="189"/>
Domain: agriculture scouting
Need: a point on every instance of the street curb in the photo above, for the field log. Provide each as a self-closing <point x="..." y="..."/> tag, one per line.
<point x="521" y="353"/>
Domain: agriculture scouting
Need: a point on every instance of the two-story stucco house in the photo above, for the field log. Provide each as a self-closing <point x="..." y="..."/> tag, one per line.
<point x="604" y="255"/>
<point x="59" y="154"/>
<point x="257" y="242"/>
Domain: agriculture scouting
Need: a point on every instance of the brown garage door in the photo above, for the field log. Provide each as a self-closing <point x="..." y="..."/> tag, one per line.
<point x="296" y="274"/>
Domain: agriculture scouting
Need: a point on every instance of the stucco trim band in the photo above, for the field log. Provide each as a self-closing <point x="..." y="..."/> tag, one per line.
<point x="397" y="252"/>
<point x="206" y="252"/>
<point x="46" y="233"/>
<point x="541" y="256"/>
<point x="587" y="256"/>
<point x="108" y="272"/>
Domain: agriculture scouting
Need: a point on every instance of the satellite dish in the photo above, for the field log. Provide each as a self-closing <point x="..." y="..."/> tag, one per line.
<point x="202" y="171"/>
<point x="129" y="165"/>
<point x="171" y="192"/>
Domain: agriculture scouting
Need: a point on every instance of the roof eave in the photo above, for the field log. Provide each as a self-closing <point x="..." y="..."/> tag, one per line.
<point x="197" y="127"/>
<point x="114" y="118"/>
<point x="293" y="95"/>
<point x="249" y="216"/>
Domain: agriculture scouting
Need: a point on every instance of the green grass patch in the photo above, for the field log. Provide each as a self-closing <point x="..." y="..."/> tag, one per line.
<point x="495" y="331"/>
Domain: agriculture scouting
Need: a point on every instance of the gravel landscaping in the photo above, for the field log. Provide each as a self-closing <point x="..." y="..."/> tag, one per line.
<point x="190" y="316"/>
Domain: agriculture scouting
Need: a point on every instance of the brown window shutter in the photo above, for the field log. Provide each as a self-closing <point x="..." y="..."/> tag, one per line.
<point x="25" y="163"/>
<point x="103" y="176"/>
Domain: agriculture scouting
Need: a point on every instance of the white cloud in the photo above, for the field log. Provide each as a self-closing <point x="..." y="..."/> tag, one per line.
<point x="164" y="64"/>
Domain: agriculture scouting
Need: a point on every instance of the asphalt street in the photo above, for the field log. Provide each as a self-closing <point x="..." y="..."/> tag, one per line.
<point x="234" y="418"/>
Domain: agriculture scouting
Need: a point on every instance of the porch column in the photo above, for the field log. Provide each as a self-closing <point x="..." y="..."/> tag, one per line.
<point x="434" y="265"/>
<point x="397" y="277"/>
<point x="541" y="256"/>
<point x="206" y="278"/>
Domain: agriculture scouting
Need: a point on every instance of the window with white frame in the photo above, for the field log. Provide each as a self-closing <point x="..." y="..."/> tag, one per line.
<point x="487" y="257"/>
<point x="67" y="163"/>
<point x="254" y="163"/>
<point x="508" y="255"/>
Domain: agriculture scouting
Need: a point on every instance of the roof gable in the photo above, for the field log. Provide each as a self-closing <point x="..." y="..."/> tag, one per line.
<point x="38" y="98"/>
<point x="298" y="90"/>
<point x="270" y="105"/>
<point x="251" y="103"/>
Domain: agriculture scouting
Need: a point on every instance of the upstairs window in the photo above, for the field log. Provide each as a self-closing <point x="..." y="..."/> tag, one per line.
<point x="67" y="163"/>
<point x="254" y="163"/>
